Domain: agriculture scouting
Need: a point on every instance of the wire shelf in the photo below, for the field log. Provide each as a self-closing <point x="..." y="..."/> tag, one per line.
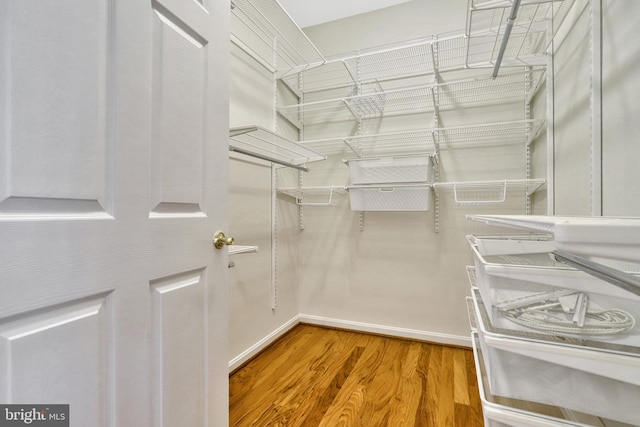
<point x="477" y="193"/>
<point x="313" y="196"/>
<point x="527" y="42"/>
<point x="266" y="145"/>
<point x="421" y="142"/>
<point x="397" y="143"/>
<point x="267" y="32"/>
<point x="376" y="100"/>
<point x="490" y="133"/>
<point x="487" y="193"/>
<point x="422" y="58"/>
<point x="392" y="62"/>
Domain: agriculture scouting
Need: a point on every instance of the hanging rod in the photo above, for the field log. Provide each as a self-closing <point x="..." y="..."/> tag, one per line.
<point x="618" y="278"/>
<point x="267" y="158"/>
<point x="507" y="32"/>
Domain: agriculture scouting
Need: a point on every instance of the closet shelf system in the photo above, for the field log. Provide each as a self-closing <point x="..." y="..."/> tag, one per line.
<point x="486" y="193"/>
<point x="264" y="144"/>
<point x="267" y="33"/>
<point x="313" y="196"/>
<point x="564" y="300"/>
<point x="428" y="75"/>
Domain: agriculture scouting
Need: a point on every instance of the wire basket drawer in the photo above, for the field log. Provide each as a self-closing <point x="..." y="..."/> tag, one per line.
<point x="390" y="170"/>
<point x="504" y="412"/>
<point x="391" y="199"/>
<point x="512" y="270"/>
<point x="606" y="237"/>
<point x="480" y="193"/>
<point x="568" y="376"/>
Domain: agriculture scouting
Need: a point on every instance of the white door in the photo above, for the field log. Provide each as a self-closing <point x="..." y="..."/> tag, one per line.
<point x="113" y="180"/>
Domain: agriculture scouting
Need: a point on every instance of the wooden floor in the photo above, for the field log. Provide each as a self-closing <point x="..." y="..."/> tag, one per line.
<point x="324" y="377"/>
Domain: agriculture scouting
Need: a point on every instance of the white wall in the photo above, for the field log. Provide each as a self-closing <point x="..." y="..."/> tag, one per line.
<point x="251" y="317"/>
<point x="398" y="275"/>
<point x="621" y="110"/>
<point x="573" y="88"/>
<point x="411" y="20"/>
<point x="572" y="119"/>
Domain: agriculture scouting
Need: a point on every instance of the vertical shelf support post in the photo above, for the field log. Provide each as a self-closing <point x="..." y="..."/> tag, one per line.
<point x="274" y="186"/>
<point x="596" y="107"/>
<point x="274" y="237"/>
<point x="436" y="136"/>
<point x="551" y="165"/>
<point x="527" y="116"/>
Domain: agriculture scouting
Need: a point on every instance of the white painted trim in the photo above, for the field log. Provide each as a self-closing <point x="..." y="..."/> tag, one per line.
<point x="435" y="337"/>
<point x="252" y="351"/>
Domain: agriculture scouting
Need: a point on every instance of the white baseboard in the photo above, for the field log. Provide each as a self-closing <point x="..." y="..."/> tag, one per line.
<point x="237" y="361"/>
<point x="462" y="341"/>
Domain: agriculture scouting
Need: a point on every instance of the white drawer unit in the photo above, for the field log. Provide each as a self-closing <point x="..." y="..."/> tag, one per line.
<point x="594" y="377"/>
<point x="390" y="184"/>
<point x="514" y="273"/>
<point x="390" y="170"/>
<point x="501" y="412"/>
<point x="606" y="237"/>
<point x="390" y="198"/>
<point x="535" y="302"/>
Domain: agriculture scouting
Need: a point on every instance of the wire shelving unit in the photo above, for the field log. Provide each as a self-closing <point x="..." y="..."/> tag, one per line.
<point x="513" y="132"/>
<point x="265" y="31"/>
<point x="488" y="193"/>
<point x="377" y="100"/>
<point x="415" y="79"/>
<point x="264" y="144"/>
<point x="313" y="196"/>
<point x="398" y="143"/>
<point x="429" y="141"/>
<point x="494" y="39"/>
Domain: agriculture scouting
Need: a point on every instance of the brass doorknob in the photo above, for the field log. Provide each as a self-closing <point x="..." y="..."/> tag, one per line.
<point x="219" y="240"/>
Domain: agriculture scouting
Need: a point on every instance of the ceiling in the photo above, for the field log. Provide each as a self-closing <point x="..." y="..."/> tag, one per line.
<point x="306" y="13"/>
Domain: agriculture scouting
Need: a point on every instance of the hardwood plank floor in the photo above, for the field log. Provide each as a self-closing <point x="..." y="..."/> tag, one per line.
<point x="315" y="376"/>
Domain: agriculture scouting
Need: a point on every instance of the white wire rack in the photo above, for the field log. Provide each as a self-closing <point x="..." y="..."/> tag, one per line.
<point x="525" y="42"/>
<point x="397" y="143"/>
<point x="489" y="134"/>
<point x="486" y="193"/>
<point x="471" y="274"/>
<point x="391" y="197"/>
<point x="391" y="62"/>
<point x="441" y="53"/>
<point x="377" y="100"/>
<point x="423" y="141"/>
<point x="266" y="145"/>
<point x="264" y="30"/>
<point x="396" y="169"/>
<point x="313" y="196"/>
